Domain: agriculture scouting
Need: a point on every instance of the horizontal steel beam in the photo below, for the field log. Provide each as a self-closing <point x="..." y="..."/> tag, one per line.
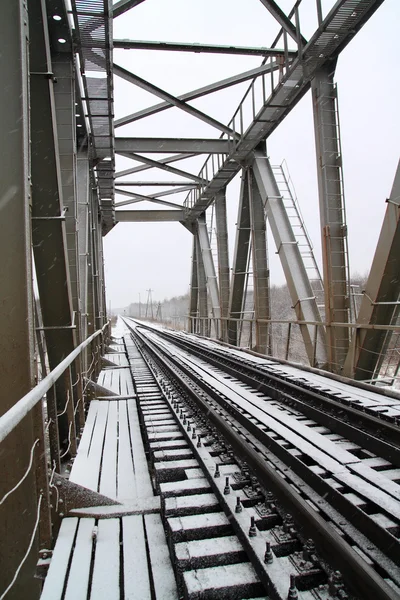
<point x="182" y="145"/>
<point x="198" y="48"/>
<point x="139" y="216"/>
<point x="157" y="183"/>
<point x="198" y="93"/>
<point x="123" y="5"/>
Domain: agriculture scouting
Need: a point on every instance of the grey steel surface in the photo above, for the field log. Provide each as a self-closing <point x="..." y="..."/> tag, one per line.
<point x="208" y="89"/>
<point x="194" y="289"/>
<point x="332" y="214"/>
<point x="156" y="91"/>
<point x="223" y="260"/>
<point x="16" y="299"/>
<point x="334" y="33"/>
<point x="181" y="145"/>
<point x="136" y="216"/>
<point x="240" y="261"/>
<point x="209" y="268"/>
<point x="258" y="228"/>
<point x="381" y="296"/>
<point x="93" y="36"/>
<point x="301" y="293"/>
<point x="203" y="328"/>
<point x="197" y="48"/>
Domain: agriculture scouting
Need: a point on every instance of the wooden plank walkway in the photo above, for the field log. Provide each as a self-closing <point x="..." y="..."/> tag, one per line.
<point x="116" y="551"/>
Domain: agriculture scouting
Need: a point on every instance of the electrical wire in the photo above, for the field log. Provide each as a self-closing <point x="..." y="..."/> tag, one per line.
<point x="24" y="476"/>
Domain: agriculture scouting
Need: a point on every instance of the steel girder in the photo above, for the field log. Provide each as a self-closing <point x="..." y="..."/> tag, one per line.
<point x="198" y="93"/>
<point x="332" y="215"/>
<point x="64" y="102"/>
<point x="381" y="296"/>
<point x="48" y="218"/>
<point x="82" y="191"/>
<point x="140" y="216"/>
<point x="240" y="261"/>
<point x="223" y="261"/>
<point x="258" y="229"/>
<point x="304" y="301"/>
<point x="166" y="145"/>
<point x="332" y="35"/>
<point x="119" y="8"/>
<point x="194" y="290"/>
<point x="172" y="100"/>
<point x="203" y="328"/>
<point x="209" y="269"/>
<point x="18" y="512"/>
<point x="197" y="48"/>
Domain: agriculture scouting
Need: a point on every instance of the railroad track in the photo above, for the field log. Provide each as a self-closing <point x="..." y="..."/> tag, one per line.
<point x="319" y="510"/>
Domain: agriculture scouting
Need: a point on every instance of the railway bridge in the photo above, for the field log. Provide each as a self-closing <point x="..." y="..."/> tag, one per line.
<point x="138" y="462"/>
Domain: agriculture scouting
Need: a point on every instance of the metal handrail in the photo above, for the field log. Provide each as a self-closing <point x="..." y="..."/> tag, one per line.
<point x="16" y="413"/>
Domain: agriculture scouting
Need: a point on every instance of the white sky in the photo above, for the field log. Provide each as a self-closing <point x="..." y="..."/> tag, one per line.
<point x="143" y="255"/>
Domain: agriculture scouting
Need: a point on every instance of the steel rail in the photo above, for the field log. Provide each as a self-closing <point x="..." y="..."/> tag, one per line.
<point x="16" y="413"/>
<point x="283" y="389"/>
<point x="359" y="575"/>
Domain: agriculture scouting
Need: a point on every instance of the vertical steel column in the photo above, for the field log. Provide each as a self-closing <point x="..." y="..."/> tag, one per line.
<point x="91" y="304"/>
<point x="48" y="221"/>
<point x="209" y="269"/>
<point x="258" y="228"/>
<point x="194" y="291"/>
<point x="223" y="260"/>
<point x="18" y="512"/>
<point x="82" y="188"/>
<point x="332" y="214"/>
<point x="64" y="101"/>
<point x="240" y="261"/>
<point x="303" y="298"/>
<point x="202" y="292"/>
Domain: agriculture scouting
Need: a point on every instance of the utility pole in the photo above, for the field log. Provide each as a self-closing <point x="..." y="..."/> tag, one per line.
<point x="149" y="304"/>
<point x="140" y="308"/>
<point x="159" y="312"/>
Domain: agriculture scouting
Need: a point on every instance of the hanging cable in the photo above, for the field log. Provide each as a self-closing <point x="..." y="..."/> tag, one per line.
<point x="26" y="553"/>
<point x="24" y="476"/>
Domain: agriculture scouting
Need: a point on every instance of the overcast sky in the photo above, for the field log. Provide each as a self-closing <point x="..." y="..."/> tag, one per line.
<point x="139" y="256"/>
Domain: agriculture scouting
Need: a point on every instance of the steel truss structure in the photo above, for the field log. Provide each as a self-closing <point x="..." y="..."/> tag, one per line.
<point x="58" y="187"/>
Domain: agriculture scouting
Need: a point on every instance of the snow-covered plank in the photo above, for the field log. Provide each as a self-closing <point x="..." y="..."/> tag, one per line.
<point x="142" y="477"/>
<point x="105" y="581"/>
<point x="370" y="493"/>
<point x="93" y="462"/>
<point x="161" y="568"/>
<point x="79" y="467"/>
<point x="126" y="384"/>
<point x="108" y="478"/>
<point x="125" y="471"/>
<point x="54" y="584"/>
<point x="237" y="580"/>
<point x="78" y="578"/>
<point x="136" y="575"/>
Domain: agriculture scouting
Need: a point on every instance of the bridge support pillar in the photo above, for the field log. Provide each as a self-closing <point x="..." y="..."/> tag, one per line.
<point x="262" y="309"/>
<point x="223" y="261"/>
<point x="194" y="291"/>
<point x="332" y="215"/>
<point x="240" y="262"/>
<point x="19" y="510"/>
<point x="209" y="270"/>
